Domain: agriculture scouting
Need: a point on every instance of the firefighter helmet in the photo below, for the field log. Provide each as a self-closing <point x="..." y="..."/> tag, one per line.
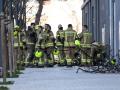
<point x="77" y="42"/>
<point x="38" y="54"/>
<point x="56" y="52"/>
<point x="59" y="26"/>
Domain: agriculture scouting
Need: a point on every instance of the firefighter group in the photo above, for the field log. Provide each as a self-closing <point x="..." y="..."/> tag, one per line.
<point x="37" y="46"/>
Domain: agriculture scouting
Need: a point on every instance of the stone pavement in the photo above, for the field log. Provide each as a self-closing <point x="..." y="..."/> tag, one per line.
<point x="62" y="78"/>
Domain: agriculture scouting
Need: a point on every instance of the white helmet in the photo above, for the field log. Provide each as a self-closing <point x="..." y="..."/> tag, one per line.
<point x="59" y="26"/>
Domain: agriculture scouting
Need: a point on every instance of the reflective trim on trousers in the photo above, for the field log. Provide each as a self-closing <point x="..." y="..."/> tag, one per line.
<point x="49" y="44"/>
<point x="59" y="44"/>
<point x="87" y="33"/>
<point x="85" y="45"/>
<point x="85" y="60"/>
<point x="30" y="43"/>
<point x="16" y="45"/>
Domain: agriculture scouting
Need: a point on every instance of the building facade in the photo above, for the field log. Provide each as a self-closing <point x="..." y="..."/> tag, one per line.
<point x="1" y="10"/>
<point x="103" y="20"/>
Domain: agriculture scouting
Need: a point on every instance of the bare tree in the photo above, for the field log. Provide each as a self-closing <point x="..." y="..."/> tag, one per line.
<point x="38" y="15"/>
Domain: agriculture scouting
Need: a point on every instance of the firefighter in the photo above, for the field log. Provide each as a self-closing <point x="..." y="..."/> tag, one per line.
<point x="83" y="35"/>
<point x="31" y="42"/>
<point x="60" y="44"/>
<point x="86" y="40"/>
<point x="37" y="29"/>
<point x="69" y="44"/>
<point x="49" y="43"/>
<point x="22" y="41"/>
<point x="16" y="45"/>
<point x="40" y="47"/>
<point x="39" y="36"/>
<point x="43" y="38"/>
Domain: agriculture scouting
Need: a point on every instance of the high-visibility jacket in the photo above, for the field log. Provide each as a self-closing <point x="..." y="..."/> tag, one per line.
<point x="40" y="43"/>
<point x="49" y="39"/>
<point x="70" y="36"/>
<point x="85" y="37"/>
<point x="43" y="39"/>
<point x="60" y="38"/>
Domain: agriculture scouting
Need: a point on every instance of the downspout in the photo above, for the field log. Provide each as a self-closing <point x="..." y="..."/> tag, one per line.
<point x="111" y="30"/>
<point x="115" y="32"/>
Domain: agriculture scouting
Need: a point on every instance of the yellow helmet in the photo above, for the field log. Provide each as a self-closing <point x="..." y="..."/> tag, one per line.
<point x="38" y="54"/>
<point x="77" y="42"/>
<point x="56" y="52"/>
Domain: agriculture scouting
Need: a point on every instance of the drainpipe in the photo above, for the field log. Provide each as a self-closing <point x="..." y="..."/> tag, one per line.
<point x="119" y="43"/>
<point x="111" y="29"/>
<point x="115" y="31"/>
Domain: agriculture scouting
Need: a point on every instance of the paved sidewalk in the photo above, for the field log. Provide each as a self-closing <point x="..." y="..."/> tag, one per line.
<point x="61" y="78"/>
